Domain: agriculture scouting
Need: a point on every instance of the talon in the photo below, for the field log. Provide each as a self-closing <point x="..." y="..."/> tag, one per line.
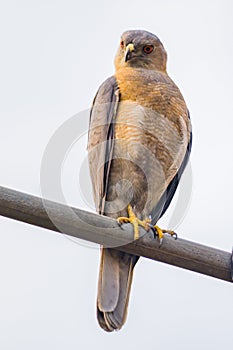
<point x="175" y="236"/>
<point x="134" y="221"/>
<point x="160" y="242"/>
<point x="153" y="230"/>
<point x="120" y="224"/>
<point x="157" y="233"/>
<point x="171" y="233"/>
<point x="122" y="220"/>
<point x="160" y="233"/>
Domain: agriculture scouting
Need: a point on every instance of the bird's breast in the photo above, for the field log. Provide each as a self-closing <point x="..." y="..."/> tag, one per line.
<point x="153" y="90"/>
<point x="152" y="126"/>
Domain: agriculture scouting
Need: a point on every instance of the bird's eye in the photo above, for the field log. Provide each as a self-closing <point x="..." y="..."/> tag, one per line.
<point x="122" y="44"/>
<point x="148" y="48"/>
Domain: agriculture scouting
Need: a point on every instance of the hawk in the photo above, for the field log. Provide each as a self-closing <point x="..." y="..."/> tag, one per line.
<point x="138" y="147"/>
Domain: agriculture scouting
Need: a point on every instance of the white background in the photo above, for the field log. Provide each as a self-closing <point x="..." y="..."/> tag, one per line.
<point x="54" y="55"/>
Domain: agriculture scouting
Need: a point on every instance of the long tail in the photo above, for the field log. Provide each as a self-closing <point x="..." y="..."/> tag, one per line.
<point x="115" y="278"/>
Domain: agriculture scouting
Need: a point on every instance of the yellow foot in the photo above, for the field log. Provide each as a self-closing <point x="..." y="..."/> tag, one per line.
<point x="134" y="221"/>
<point x="160" y="233"/>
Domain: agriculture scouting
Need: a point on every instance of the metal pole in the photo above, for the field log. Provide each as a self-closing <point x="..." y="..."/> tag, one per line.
<point x="103" y="230"/>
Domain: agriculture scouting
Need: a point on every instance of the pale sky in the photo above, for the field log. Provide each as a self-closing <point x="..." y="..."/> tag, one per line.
<point x="54" y="55"/>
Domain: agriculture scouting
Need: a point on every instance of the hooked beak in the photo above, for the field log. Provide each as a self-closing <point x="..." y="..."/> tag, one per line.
<point x="128" y="52"/>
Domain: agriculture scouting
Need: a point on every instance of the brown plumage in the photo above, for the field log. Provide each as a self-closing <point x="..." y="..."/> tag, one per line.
<point x="139" y="144"/>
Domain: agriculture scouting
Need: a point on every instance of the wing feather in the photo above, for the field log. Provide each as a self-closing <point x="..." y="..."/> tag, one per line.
<point x="101" y="138"/>
<point x="168" y="194"/>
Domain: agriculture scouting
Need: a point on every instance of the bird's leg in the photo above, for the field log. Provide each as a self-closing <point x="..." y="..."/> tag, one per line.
<point x="160" y="233"/>
<point x="134" y="221"/>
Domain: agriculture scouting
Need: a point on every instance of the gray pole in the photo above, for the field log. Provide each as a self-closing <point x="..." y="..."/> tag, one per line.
<point x="103" y="230"/>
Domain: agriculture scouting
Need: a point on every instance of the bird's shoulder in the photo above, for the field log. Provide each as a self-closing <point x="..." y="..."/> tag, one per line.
<point x="106" y="91"/>
<point x="103" y="111"/>
<point x="104" y="103"/>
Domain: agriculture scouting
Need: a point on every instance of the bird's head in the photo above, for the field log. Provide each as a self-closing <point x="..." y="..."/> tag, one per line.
<point x="141" y="49"/>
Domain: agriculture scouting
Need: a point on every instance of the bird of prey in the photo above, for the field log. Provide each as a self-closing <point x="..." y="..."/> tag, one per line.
<point x="138" y="146"/>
